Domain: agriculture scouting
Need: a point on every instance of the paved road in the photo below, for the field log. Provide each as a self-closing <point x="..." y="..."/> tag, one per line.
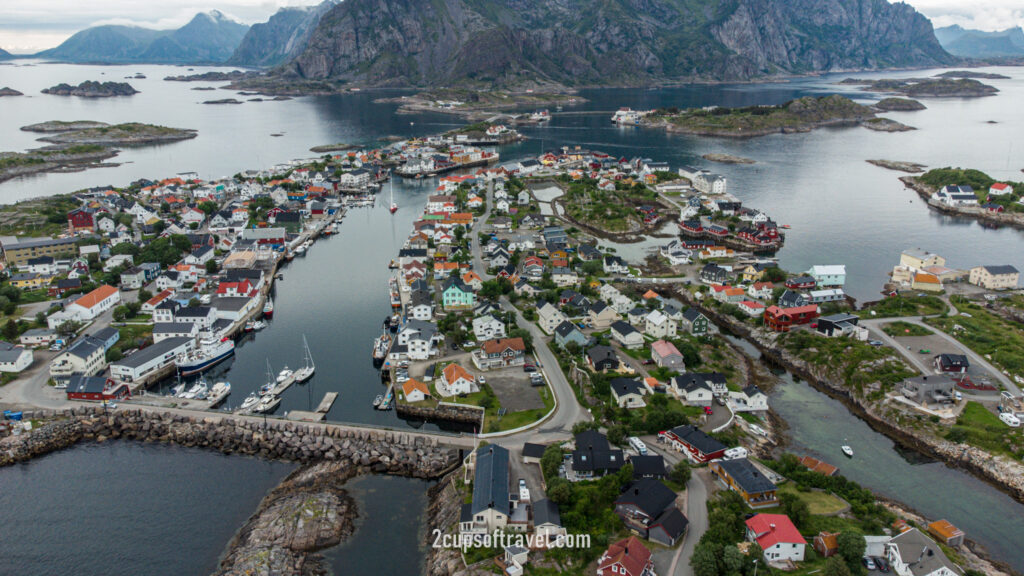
<point x="874" y="325"/>
<point x="697" y="490"/>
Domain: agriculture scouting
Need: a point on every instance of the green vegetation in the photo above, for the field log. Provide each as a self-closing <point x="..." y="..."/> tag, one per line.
<point x="818" y="502"/>
<point x="901" y="328"/>
<point x="801" y="114"/>
<point x="979" y="427"/>
<point x="976" y="179"/>
<point x="852" y="362"/>
<point x="606" y="210"/>
<point x="905" y="305"/>
<point x="1000" y="340"/>
<point x="37" y="217"/>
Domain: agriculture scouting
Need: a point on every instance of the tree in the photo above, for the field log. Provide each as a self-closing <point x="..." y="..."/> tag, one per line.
<point x="145" y="295"/>
<point x="851" y="546"/>
<point x="795" y="507"/>
<point x="68" y="329"/>
<point x="113" y="355"/>
<point x="836" y="567"/>
<point x="550" y="461"/>
<point x="681" y="473"/>
<point x="193" y="302"/>
<point x="212" y="267"/>
<point x="704" y="561"/>
<point x="559" y="491"/>
<point x="733" y="559"/>
<point x="11" y="330"/>
<point x="209" y="207"/>
<point x="40" y="318"/>
<point x="120" y="313"/>
<point x="133" y="308"/>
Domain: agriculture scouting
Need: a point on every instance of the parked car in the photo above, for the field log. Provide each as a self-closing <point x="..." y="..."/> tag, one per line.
<point x="481" y="380"/>
<point x="708" y="410"/>
<point x="875" y="342"/>
<point x="720" y="400"/>
<point x="882" y="563"/>
<point x="529" y="368"/>
<point x="868" y="563"/>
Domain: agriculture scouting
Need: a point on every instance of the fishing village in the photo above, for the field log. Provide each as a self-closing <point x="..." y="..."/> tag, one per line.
<point x="583" y="327"/>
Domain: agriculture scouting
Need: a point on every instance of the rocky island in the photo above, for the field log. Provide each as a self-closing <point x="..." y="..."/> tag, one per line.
<point x="727" y="158"/>
<point x="92" y="89"/>
<point x="894" y="104"/>
<point x="926" y="87"/>
<point x="223" y="101"/>
<point x="972" y="74"/>
<point x="62" y="126"/>
<point x="800" y="115"/>
<point x="1004" y="209"/>
<point x="6" y="91"/>
<point x="912" y="167"/>
<point x="212" y="76"/>
<point x="129" y="134"/>
<point x="479" y="104"/>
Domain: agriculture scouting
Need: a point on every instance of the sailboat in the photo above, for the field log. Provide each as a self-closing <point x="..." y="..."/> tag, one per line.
<point x="269" y="386"/>
<point x="391" y="187"/>
<point x="306" y="372"/>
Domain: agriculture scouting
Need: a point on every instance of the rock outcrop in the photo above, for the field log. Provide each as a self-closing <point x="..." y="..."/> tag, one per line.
<point x="537" y="43"/>
<point x="92" y="89"/>
<point x="281" y="38"/>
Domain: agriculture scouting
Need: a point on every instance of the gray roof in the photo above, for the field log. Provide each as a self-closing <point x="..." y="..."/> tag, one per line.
<point x="106" y="333"/>
<point x="85" y="347"/>
<point x="173" y="327"/>
<point x="87" y="384"/>
<point x="623" y="386"/>
<point x="692" y="314"/>
<point x="490" y="484"/>
<point x="150" y="352"/>
<point x="747" y="476"/>
<point x="649" y="465"/>
<point x="698" y="439"/>
<point x="594" y="453"/>
<point x="546" y="512"/>
<point x="623" y="328"/>
<point x="533" y="450"/>
<point x="1003" y="269"/>
<point x="649" y="495"/>
<point x="194" y="312"/>
<point x="230" y="303"/>
<point x="9" y="352"/>
<point x="922" y="555"/>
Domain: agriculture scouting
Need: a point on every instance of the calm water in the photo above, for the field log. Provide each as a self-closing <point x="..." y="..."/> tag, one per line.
<point x="127" y="508"/>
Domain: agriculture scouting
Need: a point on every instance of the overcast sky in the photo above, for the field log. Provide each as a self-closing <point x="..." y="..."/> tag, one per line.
<point x="28" y="25"/>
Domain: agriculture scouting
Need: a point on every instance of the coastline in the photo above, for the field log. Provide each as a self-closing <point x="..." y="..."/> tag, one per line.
<point x="1013" y="219"/>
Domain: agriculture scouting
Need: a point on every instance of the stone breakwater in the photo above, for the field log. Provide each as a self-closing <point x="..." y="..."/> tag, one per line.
<point x="442" y="412"/>
<point x="382" y="452"/>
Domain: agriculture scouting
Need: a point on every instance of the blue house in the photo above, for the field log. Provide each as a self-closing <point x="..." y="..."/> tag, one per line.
<point x="568" y="332"/>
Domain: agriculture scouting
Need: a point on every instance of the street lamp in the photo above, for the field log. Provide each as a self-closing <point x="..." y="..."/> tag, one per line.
<point x="755" y="566"/>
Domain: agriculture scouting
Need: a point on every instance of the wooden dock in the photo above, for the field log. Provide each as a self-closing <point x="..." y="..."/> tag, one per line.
<point x="327" y="402"/>
<point x="305" y="416"/>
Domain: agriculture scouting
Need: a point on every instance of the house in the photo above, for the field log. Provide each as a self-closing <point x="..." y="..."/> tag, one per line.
<point x="728" y="294"/>
<point x="602" y="359"/>
<point x="792" y="299"/>
<point x="699" y="447"/>
<point x="694" y="322"/>
<point x="628" y="557"/>
<point x="1000" y="189"/>
<point x="18" y="251"/>
<point x="164" y="330"/>
<point x="600" y="316"/>
<point x="87" y="307"/>
<point x="28" y="281"/>
<point x="233" y="308"/>
<point x="456" y="295"/>
<point x="170" y="279"/>
<point x="693" y="389"/>
<point x="234" y="289"/>
<point x="926" y="282"/>
<point x="456" y="380"/>
<point x="593" y="457"/>
<point x="419" y="339"/>
<point x="61" y="287"/>
<point x="472" y="279"/>
<point x="614" y="265"/>
<point x="151" y="359"/>
<point x="657" y="324"/>
<point x="777" y="536"/>
<point x="804" y="282"/>
<point x="80" y="220"/>
<point x="713" y="274"/>
<point x="532" y="453"/>
<point x="487" y="327"/>
<point x="629" y="337"/>
<point x="826" y="544"/>
<point x="628" y="393"/>
<point x="415" y="391"/>
<point x="917" y="259"/>
<point x="762" y="290"/>
<point x="841" y="324"/>
<point x="741" y="476"/>
<point x="133" y="278"/>
<point x="490" y="508"/>
<point x="951" y="363"/>
<point x="828" y="295"/>
<point x="955" y="196"/>
<point x="914" y="554"/>
<point x="1003" y="277"/>
<point x="648" y="508"/>
<point x="14" y="359"/>
<point x="648" y="466"/>
<point x="86" y="357"/>
<point x="500" y="353"/>
<point x="563" y="276"/>
<point x="828" y="276"/>
<point x="421" y="306"/>
<point x="946" y="533"/>
<point x="782" y="319"/>
<point x="929" y="391"/>
<point x="547" y="523"/>
<point x="549" y="317"/>
<point x="95" y="388"/>
<point x="37" y="337"/>
<point x="567" y="332"/>
<point x="204" y="316"/>
<point x="200" y="256"/>
<point x="666" y="355"/>
<point x="43" y="265"/>
<point x="749" y="399"/>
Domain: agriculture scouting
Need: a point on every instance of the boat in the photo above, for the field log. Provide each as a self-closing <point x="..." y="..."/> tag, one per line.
<point x="786" y="226"/>
<point x="258" y="325"/>
<point x="393" y="264"/>
<point x="380" y="348"/>
<point x="848" y="451"/>
<point x="269" y="386"/>
<point x="267" y="404"/>
<point x="179" y="389"/>
<point x="268" y="308"/>
<point x="284" y="374"/>
<point x="306" y="372"/>
<point x="204" y="390"/>
<point x="391" y="187"/>
<point x="198" y="389"/>
<point x="300" y="249"/>
<point x="219" y="392"/>
<point x="378" y="400"/>
<point x="250" y="401"/>
<point x="211" y="351"/>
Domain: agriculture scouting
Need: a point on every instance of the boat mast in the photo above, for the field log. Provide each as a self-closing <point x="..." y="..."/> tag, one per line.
<point x="309" y="355"/>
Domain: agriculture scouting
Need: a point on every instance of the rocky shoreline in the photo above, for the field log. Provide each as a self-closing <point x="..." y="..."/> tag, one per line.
<point x="8" y="91"/>
<point x="92" y="89"/>
<point x="1014" y="219"/>
<point x="442" y="413"/>
<point x="898" y="165"/>
<point x="53" y="159"/>
<point x="727" y="158"/>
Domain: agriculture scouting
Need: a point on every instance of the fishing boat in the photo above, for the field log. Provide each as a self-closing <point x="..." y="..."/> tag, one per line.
<point x="250" y="401"/>
<point x="391" y="187"/>
<point x="211" y="351"/>
<point x="380" y="348"/>
<point x="393" y="264"/>
<point x="284" y="374"/>
<point x="394" y="323"/>
<point x="268" y="308"/>
<point x="259" y="325"/>
<point x="306" y="372"/>
<point x="848" y="451"/>
<point x="299" y="250"/>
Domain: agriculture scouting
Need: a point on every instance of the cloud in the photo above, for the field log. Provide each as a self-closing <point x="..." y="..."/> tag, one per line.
<point x="979" y="14"/>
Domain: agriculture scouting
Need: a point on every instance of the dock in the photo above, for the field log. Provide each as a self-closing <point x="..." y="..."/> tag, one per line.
<point x="305" y="416"/>
<point x="327" y="402"/>
<point x="283" y="385"/>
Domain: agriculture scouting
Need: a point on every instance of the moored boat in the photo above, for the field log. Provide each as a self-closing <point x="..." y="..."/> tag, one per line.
<point x="284" y="374"/>
<point x="250" y="401"/>
<point x="267" y="404"/>
<point x="268" y="308"/>
<point x="211" y="352"/>
<point x="848" y="451"/>
<point x="306" y="372"/>
<point x="219" y="392"/>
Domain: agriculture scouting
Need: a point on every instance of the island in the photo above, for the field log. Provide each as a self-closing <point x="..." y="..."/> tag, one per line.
<point x="223" y="101"/>
<point x="726" y="158"/>
<point x="129" y="134"/>
<point x="477" y="104"/>
<point x="894" y="104"/>
<point x="926" y="87"/>
<point x="204" y="88"/>
<point x="7" y="91"/>
<point x="62" y="126"/>
<point x="92" y="89"/>
<point x="970" y="193"/>
<point x="52" y="159"/>
<point x="912" y="167"/>
<point x="800" y="115"/>
<point x="972" y="74"/>
<point x="324" y="148"/>
<point x="212" y="77"/>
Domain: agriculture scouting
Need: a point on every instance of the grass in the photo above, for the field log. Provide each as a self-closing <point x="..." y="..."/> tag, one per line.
<point x="818" y="502"/>
<point x="509" y="421"/>
<point x="905" y="305"/>
<point x="999" y="340"/>
<point x="901" y="328"/>
<point x="852" y="362"/>
<point x="979" y="427"/>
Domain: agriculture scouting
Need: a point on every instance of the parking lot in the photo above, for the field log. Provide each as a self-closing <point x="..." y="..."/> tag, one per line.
<point x="936" y="345"/>
<point x="513" y="388"/>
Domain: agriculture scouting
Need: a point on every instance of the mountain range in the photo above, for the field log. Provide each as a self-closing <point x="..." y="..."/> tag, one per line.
<point x="210" y="37"/>
<point x="283" y="37"/>
<point x="978" y="44"/>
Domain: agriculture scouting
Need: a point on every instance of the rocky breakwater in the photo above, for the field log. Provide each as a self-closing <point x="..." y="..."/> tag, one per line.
<point x="308" y="512"/>
<point x="442" y="412"/>
<point x="51" y="436"/>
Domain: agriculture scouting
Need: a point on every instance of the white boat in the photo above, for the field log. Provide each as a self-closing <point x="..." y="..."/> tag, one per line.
<point x="250" y="401"/>
<point x="391" y="187"/>
<point x="195" y="391"/>
<point x="268" y="308"/>
<point x="258" y="325"/>
<point x="377" y="401"/>
<point x="300" y="249"/>
<point x="267" y="404"/>
<point x="284" y="375"/>
<point x="179" y="389"/>
<point x="848" y="451"/>
<point x="269" y="386"/>
<point x="306" y="372"/>
<point x="211" y="352"/>
<point x="219" y="392"/>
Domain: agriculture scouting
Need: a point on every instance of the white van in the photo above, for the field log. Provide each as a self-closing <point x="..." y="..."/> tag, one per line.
<point x="638" y="445"/>
<point x="1010" y="420"/>
<point x="735" y="453"/>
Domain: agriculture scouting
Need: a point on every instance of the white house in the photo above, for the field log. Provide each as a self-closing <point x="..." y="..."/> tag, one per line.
<point x="777" y="536"/>
<point x="165" y="330"/>
<point x="420" y="338"/>
<point x="659" y="325"/>
<point x="1000" y="189"/>
<point x="14" y="358"/>
<point x="628" y="393"/>
<point x="914" y="554"/>
<point x="626" y="335"/>
<point x="549" y="317"/>
<point x="750" y="399"/>
<point x="87" y="307"/>
<point x="150" y="359"/>
<point x="828" y="275"/>
<point x="692" y="390"/>
<point x="488" y="327"/>
<point x="456" y="380"/>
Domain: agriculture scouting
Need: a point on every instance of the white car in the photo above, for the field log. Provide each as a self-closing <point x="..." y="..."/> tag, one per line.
<point x="1010" y="420"/>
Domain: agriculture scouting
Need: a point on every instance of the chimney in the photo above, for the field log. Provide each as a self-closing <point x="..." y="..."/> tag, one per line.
<point x="772" y="526"/>
<point x="636" y="491"/>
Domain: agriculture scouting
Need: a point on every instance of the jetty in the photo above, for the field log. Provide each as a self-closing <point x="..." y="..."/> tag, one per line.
<point x="327" y="402"/>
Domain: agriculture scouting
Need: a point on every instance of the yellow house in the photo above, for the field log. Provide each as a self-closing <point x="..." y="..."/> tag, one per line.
<point x="926" y="282"/>
<point x="29" y="281"/>
<point x="750" y="273"/>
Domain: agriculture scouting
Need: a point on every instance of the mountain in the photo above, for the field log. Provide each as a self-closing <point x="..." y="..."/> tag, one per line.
<point x="281" y="38"/>
<point x="209" y="37"/>
<point x="978" y="44"/>
<point x="591" y="42"/>
<point x="5" y="55"/>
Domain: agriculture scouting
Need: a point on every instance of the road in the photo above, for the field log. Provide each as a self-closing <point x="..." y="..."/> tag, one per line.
<point x="874" y="326"/>
<point x="697" y="490"/>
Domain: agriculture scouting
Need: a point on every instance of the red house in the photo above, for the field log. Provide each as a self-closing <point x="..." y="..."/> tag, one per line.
<point x="781" y="319"/>
<point x="800" y="283"/>
<point x="96" y="388"/>
<point x="698" y="446"/>
<point x="80" y="220"/>
<point x="627" y="557"/>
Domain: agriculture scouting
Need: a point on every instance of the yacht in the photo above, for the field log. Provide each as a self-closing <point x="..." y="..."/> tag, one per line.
<point x="267" y="404"/>
<point x="377" y="401"/>
<point x="848" y="451"/>
<point x="380" y="348"/>
<point x="250" y="401"/>
<point x="284" y="374"/>
<point x="211" y="351"/>
<point x="219" y="392"/>
<point x="306" y="372"/>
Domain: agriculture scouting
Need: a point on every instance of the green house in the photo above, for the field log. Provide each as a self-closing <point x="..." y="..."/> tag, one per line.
<point x="457" y="295"/>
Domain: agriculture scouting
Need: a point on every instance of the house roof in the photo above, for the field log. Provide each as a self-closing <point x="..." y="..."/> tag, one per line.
<point x="533" y="450"/>
<point x="150" y="352"/>
<point x="630" y="553"/>
<point x="601" y="353"/>
<point x="546" y="512"/>
<point x="747" y="476"/>
<point x="772" y="529"/>
<point x="453" y="372"/>
<point x="649" y="465"/>
<point x="664" y="349"/>
<point x="565" y="329"/>
<point x="96" y="296"/>
<point x="412" y="384"/>
<point x="922" y="555"/>
<point x="648" y="495"/>
<point x="87" y="384"/>
<point x="622" y="386"/>
<point x="1003" y="269"/>
<point x="698" y="439"/>
<point x="85" y="347"/>
<point x="499" y="345"/>
<point x="490" y="483"/>
<point x="594" y="453"/>
<point x="623" y="328"/>
<point x="672" y="521"/>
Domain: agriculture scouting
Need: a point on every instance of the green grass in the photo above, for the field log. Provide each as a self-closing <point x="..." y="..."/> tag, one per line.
<point x="905" y="305"/>
<point x="850" y="361"/>
<point x="979" y="427"/>
<point x="901" y="328"/>
<point x="818" y="502"/>
<point x="1001" y="341"/>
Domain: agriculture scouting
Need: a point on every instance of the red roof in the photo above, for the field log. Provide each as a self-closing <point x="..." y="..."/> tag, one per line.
<point x="630" y="554"/>
<point x="96" y="296"/>
<point x="999" y="186"/>
<point x="772" y="529"/>
<point x="499" y="345"/>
